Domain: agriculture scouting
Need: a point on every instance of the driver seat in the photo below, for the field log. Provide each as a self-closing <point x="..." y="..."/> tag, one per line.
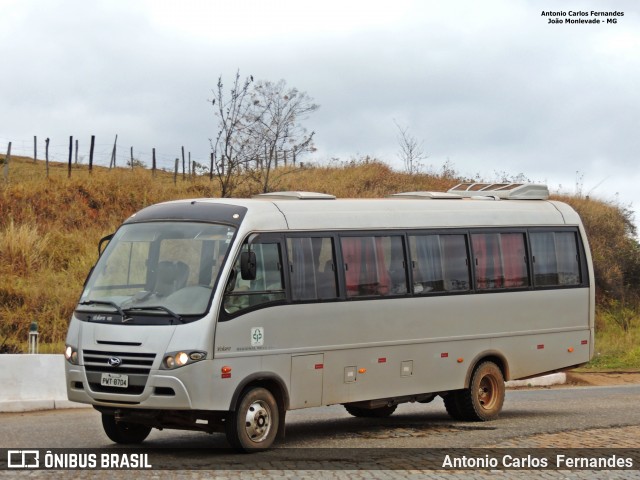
<point x="171" y="276"/>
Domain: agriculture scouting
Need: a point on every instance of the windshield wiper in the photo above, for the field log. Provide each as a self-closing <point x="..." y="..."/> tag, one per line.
<point x="110" y="304"/>
<point x="159" y="307"/>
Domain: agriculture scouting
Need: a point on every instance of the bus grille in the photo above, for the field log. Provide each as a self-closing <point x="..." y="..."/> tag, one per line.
<point x="136" y="365"/>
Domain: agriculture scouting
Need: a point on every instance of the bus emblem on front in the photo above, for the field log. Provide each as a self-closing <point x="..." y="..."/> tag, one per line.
<point x="114" y="362"/>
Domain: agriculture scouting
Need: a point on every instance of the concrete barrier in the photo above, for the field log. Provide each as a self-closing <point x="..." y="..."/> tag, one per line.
<point x="545" y="381"/>
<point x="33" y="382"/>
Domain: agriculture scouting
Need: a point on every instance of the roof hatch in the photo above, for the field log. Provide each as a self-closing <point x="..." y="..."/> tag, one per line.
<point x="295" y="196"/>
<point x="427" y="195"/>
<point x="506" y="191"/>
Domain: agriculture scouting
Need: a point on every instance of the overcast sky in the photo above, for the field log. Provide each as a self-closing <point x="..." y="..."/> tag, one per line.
<point x="489" y="86"/>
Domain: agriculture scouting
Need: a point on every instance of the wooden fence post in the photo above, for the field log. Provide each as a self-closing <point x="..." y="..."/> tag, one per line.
<point x="6" y="163"/>
<point x="113" y="154"/>
<point x="211" y="168"/>
<point x="131" y="158"/>
<point x="183" y="173"/>
<point x="35" y="148"/>
<point x="153" y="163"/>
<point x="70" y="156"/>
<point x="76" y="159"/>
<point x="46" y="155"/>
<point x="175" y="172"/>
<point x="93" y="143"/>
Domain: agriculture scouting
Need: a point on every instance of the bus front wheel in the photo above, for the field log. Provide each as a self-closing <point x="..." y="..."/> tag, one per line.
<point x="124" y="432"/>
<point x="483" y="400"/>
<point x="254" y="425"/>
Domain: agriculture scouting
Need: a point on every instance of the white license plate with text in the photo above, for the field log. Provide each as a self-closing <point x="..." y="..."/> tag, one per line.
<point x="114" y="380"/>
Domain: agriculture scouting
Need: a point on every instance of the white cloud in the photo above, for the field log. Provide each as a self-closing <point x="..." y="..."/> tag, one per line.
<point x="489" y="85"/>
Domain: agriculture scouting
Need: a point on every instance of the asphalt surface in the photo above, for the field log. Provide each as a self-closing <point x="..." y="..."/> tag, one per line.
<point x="328" y="443"/>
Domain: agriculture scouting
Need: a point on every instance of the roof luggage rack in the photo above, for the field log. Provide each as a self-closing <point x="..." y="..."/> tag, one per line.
<point x="505" y="191"/>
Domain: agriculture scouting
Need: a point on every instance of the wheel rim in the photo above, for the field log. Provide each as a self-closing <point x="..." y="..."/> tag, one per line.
<point x="487" y="392"/>
<point x="258" y="421"/>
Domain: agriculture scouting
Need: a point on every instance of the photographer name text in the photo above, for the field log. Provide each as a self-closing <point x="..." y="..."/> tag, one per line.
<point x="579" y="17"/>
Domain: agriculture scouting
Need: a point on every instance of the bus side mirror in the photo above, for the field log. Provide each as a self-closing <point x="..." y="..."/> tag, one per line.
<point x="248" y="265"/>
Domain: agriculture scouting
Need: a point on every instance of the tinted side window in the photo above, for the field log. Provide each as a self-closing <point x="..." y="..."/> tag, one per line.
<point x="268" y="285"/>
<point x="439" y="263"/>
<point x="501" y="260"/>
<point x="555" y="258"/>
<point x="374" y="266"/>
<point x="311" y="263"/>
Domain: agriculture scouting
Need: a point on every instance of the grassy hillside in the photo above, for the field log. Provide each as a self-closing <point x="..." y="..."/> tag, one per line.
<point x="49" y="229"/>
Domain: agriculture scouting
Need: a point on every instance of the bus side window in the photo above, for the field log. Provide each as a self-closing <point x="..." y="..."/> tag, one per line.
<point x="374" y="266"/>
<point x="501" y="260"/>
<point x="267" y="287"/>
<point x="555" y="258"/>
<point x="311" y="263"/>
<point x="440" y="263"/>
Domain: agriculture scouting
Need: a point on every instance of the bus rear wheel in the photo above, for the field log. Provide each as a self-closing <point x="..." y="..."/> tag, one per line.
<point x="484" y="398"/>
<point x="124" y="432"/>
<point x="379" y="412"/>
<point x="254" y="425"/>
<point x="451" y="401"/>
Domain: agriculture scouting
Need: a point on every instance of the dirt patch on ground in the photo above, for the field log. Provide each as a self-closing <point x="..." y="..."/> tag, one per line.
<point x="602" y="378"/>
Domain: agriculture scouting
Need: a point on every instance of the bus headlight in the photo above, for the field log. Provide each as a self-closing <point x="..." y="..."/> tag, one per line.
<point x="179" y="359"/>
<point x="71" y="354"/>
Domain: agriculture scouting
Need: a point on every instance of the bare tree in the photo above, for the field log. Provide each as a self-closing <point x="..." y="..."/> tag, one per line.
<point x="278" y="132"/>
<point x="411" y="150"/>
<point x="232" y="148"/>
<point x="259" y="127"/>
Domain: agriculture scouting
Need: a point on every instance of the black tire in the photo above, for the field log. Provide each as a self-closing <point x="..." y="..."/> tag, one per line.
<point x="124" y="432"/>
<point x="253" y="427"/>
<point x="484" y="398"/>
<point x="380" y="412"/>
<point x="451" y="404"/>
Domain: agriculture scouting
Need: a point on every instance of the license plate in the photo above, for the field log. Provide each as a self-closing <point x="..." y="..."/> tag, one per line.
<point x="114" y="380"/>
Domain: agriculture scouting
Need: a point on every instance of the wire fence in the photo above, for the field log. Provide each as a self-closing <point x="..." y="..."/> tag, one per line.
<point x="74" y="155"/>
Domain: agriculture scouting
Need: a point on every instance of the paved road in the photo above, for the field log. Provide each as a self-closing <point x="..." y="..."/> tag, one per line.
<point x="595" y="417"/>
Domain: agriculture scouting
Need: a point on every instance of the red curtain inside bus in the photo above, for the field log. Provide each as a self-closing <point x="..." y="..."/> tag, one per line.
<point x="500" y="260"/>
<point x="365" y="269"/>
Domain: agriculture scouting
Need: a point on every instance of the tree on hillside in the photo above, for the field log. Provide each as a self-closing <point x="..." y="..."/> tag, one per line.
<point x="259" y="128"/>
<point x="232" y="147"/>
<point x="411" y="150"/>
<point x="279" y="133"/>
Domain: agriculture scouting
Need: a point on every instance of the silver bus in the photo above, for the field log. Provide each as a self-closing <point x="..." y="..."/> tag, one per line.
<point x="220" y="315"/>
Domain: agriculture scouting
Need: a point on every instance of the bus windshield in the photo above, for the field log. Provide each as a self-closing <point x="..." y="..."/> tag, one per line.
<point x="160" y="269"/>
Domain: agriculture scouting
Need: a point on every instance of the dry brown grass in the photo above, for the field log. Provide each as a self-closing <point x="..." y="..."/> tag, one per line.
<point x="615" y="251"/>
<point x="49" y="229"/>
